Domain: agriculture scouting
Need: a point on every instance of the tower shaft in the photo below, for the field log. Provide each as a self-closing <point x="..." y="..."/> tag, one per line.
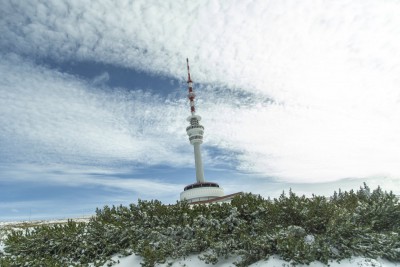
<point x="199" y="163"/>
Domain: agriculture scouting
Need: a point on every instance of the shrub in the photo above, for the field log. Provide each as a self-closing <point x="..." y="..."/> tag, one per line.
<point x="251" y="228"/>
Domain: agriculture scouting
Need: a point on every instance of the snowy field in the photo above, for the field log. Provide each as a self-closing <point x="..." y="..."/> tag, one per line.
<point x="274" y="261"/>
<point x="5" y="227"/>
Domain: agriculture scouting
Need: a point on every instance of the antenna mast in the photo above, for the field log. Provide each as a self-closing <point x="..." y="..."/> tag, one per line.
<point x="191" y="94"/>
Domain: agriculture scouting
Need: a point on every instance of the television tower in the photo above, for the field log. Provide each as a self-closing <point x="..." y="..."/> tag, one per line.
<point x="201" y="190"/>
<point x="195" y="131"/>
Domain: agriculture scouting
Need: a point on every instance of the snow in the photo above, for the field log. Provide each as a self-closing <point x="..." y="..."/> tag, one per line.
<point x="274" y="261"/>
<point x="309" y="239"/>
<point x="22" y="224"/>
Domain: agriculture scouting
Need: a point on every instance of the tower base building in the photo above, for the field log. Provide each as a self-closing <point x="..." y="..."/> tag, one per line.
<point x="201" y="192"/>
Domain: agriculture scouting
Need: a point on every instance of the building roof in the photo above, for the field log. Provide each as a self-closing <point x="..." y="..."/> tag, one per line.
<point x="226" y="198"/>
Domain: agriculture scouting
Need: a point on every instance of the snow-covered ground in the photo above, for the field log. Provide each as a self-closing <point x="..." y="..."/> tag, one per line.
<point x="21" y="224"/>
<point x="273" y="261"/>
<point x="8" y="226"/>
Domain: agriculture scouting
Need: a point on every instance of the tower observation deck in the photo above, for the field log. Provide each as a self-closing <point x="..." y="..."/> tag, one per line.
<point x="201" y="190"/>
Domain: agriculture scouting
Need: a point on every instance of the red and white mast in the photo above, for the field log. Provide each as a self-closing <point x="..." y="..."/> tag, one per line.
<point x="191" y="94"/>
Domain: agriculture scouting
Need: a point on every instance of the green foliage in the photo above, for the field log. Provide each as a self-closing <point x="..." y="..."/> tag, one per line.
<point x="299" y="229"/>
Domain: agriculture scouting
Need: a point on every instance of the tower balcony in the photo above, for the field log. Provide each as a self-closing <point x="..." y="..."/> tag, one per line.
<point x="195" y="131"/>
<point x="196" y="139"/>
<point x="198" y="185"/>
<point x="194" y="127"/>
<point x="196" y="117"/>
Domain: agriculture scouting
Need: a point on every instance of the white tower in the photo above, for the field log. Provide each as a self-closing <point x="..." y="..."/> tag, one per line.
<point x="201" y="190"/>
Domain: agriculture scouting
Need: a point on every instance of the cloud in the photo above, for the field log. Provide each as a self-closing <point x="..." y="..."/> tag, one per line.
<point x="81" y="176"/>
<point x="48" y="116"/>
<point x="303" y="144"/>
<point x="258" y="45"/>
<point x="303" y="92"/>
<point x="101" y="79"/>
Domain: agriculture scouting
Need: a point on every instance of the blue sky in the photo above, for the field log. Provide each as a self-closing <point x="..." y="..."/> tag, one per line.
<point x="302" y="95"/>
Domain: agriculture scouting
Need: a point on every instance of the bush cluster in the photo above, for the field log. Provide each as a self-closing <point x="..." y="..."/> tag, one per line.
<point x="250" y="228"/>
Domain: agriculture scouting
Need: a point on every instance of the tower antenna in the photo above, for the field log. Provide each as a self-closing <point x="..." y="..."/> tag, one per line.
<point x="191" y="94"/>
<point x="188" y="69"/>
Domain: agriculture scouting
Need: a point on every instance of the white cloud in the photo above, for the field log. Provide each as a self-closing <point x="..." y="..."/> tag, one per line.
<point x="261" y="45"/>
<point x="331" y="68"/>
<point x="51" y="117"/>
<point x="101" y="79"/>
<point x="305" y="144"/>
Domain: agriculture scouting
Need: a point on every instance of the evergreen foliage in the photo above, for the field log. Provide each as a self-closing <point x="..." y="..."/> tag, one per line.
<point x="251" y="228"/>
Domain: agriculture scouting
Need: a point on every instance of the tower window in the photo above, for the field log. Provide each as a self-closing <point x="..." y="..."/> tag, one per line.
<point x="194" y="122"/>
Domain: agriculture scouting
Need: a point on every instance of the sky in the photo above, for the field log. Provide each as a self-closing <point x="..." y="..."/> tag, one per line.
<point x="292" y="94"/>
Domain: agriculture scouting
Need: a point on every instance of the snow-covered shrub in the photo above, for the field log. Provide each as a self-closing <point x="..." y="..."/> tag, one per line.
<point x="251" y="228"/>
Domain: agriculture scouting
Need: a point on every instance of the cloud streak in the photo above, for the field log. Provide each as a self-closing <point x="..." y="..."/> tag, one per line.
<point x="63" y="119"/>
<point x="251" y="44"/>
